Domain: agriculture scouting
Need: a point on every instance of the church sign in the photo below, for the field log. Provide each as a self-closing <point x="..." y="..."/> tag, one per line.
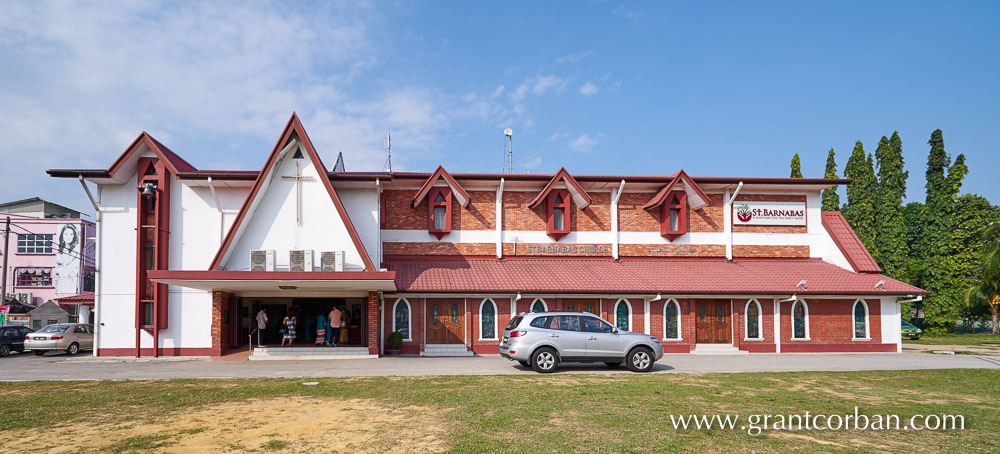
<point x="769" y="213"/>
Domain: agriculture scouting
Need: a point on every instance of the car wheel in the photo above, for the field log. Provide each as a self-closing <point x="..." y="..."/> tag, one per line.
<point x="524" y="363"/>
<point x="73" y="349"/>
<point x="613" y="364"/>
<point x="38" y="352"/>
<point x="544" y="360"/>
<point x="4" y="350"/>
<point x="640" y="360"/>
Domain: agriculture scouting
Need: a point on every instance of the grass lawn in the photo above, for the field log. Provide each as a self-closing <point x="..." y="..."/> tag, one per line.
<point x="956" y="339"/>
<point x="578" y="413"/>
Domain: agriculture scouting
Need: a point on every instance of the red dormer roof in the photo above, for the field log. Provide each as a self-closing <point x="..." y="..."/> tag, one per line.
<point x="695" y="196"/>
<point x="439" y="174"/>
<point x="175" y="163"/>
<point x="580" y="196"/>
<point x="849" y="243"/>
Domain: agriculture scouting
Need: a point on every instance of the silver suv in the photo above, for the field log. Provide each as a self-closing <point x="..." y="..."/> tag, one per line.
<point x="541" y="340"/>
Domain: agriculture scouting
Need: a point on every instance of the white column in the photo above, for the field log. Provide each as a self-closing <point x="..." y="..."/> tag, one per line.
<point x="777" y="325"/>
<point x="645" y="303"/>
<point x="727" y="224"/>
<point x="499" y="221"/>
<point x="615" y="195"/>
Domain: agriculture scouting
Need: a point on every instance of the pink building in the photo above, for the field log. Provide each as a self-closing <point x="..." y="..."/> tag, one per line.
<point x="51" y="255"/>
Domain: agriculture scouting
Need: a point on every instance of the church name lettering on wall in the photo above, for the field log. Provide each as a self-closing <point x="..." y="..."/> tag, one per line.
<point x="769" y="213"/>
<point x="568" y="249"/>
<point x="673" y="249"/>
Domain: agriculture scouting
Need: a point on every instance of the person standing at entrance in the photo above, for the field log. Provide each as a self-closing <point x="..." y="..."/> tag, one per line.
<point x="261" y="325"/>
<point x="321" y="330"/>
<point x="288" y="333"/>
<point x="336" y="316"/>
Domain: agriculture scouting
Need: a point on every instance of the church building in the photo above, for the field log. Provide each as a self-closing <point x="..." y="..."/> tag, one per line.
<point x="188" y="258"/>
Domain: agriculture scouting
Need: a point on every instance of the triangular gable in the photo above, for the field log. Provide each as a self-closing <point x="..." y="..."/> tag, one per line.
<point x="697" y="199"/>
<point x="456" y="189"/>
<point x="128" y="158"/>
<point x="294" y="137"/>
<point x="580" y="197"/>
<point x="339" y="165"/>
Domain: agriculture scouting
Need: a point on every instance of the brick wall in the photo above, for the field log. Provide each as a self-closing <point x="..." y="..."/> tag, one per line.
<point x="487" y="347"/>
<point x="221" y="302"/>
<point x="372" y="325"/>
<point x="831" y="327"/>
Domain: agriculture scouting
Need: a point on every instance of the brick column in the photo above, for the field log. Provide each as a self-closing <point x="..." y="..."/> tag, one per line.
<point x="373" y="323"/>
<point x="220" y="302"/>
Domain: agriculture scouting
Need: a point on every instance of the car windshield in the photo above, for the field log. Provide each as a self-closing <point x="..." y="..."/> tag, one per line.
<point x="54" y="329"/>
<point x="906" y="323"/>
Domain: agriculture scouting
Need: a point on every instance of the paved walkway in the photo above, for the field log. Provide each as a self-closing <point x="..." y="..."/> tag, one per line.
<point x="22" y="367"/>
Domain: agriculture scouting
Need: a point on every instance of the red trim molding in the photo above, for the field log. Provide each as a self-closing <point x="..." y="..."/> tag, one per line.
<point x="148" y="351"/>
<point x="223" y="275"/>
<point x="833" y="348"/>
<point x="463" y="197"/>
<point x="682" y="177"/>
<point x="432" y="205"/>
<point x="558" y="199"/>
<point x="582" y="198"/>
<point x="292" y="129"/>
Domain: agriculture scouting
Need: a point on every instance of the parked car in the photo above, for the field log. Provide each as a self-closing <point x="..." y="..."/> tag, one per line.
<point x="70" y="337"/>
<point x="910" y="331"/>
<point x="12" y="339"/>
<point x="542" y="340"/>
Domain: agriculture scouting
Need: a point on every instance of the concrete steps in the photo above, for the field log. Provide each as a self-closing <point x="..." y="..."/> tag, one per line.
<point x="308" y="353"/>
<point x="717" y="349"/>
<point x="446" y="350"/>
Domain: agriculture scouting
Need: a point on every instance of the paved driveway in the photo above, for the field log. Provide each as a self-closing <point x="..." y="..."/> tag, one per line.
<point x="20" y="367"/>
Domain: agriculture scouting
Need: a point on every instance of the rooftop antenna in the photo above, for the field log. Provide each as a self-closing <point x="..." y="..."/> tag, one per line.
<point x="508" y="162"/>
<point x="388" y="152"/>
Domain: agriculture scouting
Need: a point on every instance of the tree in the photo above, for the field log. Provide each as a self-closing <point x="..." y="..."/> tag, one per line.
<point x="942" y="271"/>
<point x="796" y="167"/>
<point x="831" y="200"/>
<point x="938" y="203"/>
<point x="987" y="290"/>
<point x="889" y="226"/>
<point x="860" y="208"/>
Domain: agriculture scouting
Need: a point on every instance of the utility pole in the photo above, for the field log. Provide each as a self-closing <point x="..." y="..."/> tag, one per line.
<point x="6" y="245"/>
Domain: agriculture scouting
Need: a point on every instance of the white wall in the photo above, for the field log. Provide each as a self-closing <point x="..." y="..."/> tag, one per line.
<point x="362" y="208"/>
<point x="272" y="224"/>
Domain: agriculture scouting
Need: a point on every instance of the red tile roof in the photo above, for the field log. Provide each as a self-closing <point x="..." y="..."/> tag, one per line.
<point x="849" y="243"/>
<point x="668" y="276"/>
<point x="85" y="298"/>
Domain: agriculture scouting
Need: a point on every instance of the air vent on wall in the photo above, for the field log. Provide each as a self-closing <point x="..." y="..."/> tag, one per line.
<point x="300" y="260"/>
<point x="261" y="260"/>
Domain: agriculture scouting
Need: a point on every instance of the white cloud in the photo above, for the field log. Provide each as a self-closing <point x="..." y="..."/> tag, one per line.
<point x="558" y="136"/>
<point x="589" y="89"/>
<point x="573" y="58"/>
<point x="583" y="143"/>
<point x="498" y="91"/>
<point x="539" y="85"/>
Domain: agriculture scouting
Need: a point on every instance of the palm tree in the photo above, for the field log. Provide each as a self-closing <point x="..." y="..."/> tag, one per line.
<point x="988" y="290"/>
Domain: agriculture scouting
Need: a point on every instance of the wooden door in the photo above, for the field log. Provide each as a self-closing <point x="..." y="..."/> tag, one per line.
<point x="713" y="322"/>
<point x="445" y="321"/>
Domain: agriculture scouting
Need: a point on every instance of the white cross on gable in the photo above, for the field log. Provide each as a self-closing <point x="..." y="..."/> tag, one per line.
<point x="297" y="177"/>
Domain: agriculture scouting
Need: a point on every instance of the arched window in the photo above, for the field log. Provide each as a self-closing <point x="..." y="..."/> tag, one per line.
<point x="401" y="318"/>
<point x="488" y="319"/>
<point x="800" y="320"/>
<point x="861" y="320"/>
<point x="672" y="320"/>
<point x="539" y="305"/>
<point x="623" y="315"/>
<point x="752" y="320"/>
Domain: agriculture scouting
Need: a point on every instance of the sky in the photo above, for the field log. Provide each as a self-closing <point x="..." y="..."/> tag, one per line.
<point x="602" y="87"/>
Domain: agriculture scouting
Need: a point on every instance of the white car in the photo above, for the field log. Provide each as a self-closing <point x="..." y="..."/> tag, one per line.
<point x="68" y="337"/>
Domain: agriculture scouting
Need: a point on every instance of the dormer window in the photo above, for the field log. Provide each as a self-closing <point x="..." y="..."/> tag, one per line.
<point x="440" y="212"/>
<point x="673" y="215"/>
<point x="558" y="219"/>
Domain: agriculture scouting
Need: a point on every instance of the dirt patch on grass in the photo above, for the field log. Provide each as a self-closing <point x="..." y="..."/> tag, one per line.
<point x="287" y="424"/>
